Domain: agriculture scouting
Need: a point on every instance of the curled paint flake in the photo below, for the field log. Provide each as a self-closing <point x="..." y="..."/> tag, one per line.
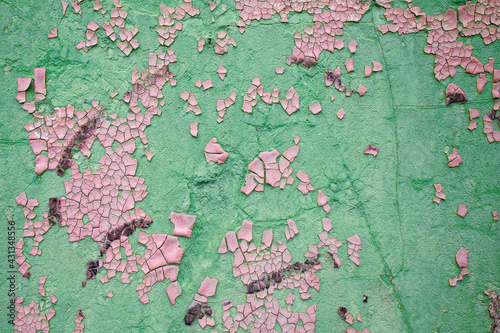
<point x="52" y="33"/>
<point x="454" y="159"/>
<point x="371" y="150"/>
<point x="454" y="94"/>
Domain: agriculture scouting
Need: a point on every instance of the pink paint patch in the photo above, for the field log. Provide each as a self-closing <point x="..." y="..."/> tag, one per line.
<point x="246" y="231"/>
<point x="64" y="6"/>
<point x="21" y="199"/>
<point x="183" y="224"/>
<point x="341" y="114"/>
<point x="362" y="90"/>
<point x="52" y="33"/>
<point x="208" y="287"/>
<point x="315" y="108"/>
<point x="41" y="164"/>
<point x="371" y="150"/>
<point x="322" y="199"/>
<point x="356" y="240"/>
<point x="461" y="257"/>
<point x="462" y="210"/>
<point x="368" y="71"/>
<point x="454" y="159"/>
<point x="280" y="70"/>
<point x="214" y="152"/>
<point x="327" y="224"/>
<point x="23" y="83"/>
<point x="352" y="46"/>
<point x="207" y="84"/>
<point x="349" y="65"/>
<point x="193" y="128"/>
<point x="377" y="66"/>
<point x="267" y="237"/>
<point x="171" y="250"/>
<point x="173" y="290"/>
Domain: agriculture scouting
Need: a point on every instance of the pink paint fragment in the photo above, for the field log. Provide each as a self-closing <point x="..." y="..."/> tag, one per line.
<point x="454" y="159"/>
<point x="280" y="70"/>
<point x="223" y="246"/>
<point x="110" y="294"/>
<point x="207" y="84"/>
<point x="232" y="241"/>
<point x="64" y="6"/>
<point x="201" y="44"/>
<point x="439" y="193"/>
<point x="40" y="81"/>
<point x="267" y="237"/>
<point x="92" y="26"/>
<point x="52" y="33"/>
<point x="362" y="90"/>
<point x="327" y="224"/>
<point x="246" y="231"/>
<point x="41" y="164"/>
<point x="352" y="46"/>
<point x="356" y="240"/>
<point x="368" y="71"/>
<point x="462" y="210"/>
<point x="453" y="281"/>
<point x="315" y="108"/>
<point x="183" y="224"/>
<point x="21" y="199"/>
<point x="173" y="290"/>
<point x="212" y="5"/>
<point x="23" y="83"/>
<point x="377" y="66"/>
<point x="371" y="150"/>
<point x="222" y="72"/>
<point x="208" y="287"/>
<point x="322" y="199"/>
<point x="481" y="82"/>
<point x="461" y="257"/>
<point x="349" y="65"/>
<point x="341" y="113"/>
<point x="193" y="128"/>
<point x="450" y="20"/>
<point x="454" y="94"/>
<point x="473" y="114"/>
<point x="290" y="298"/>
<point x="214" y="152"/>
<point x="291" y="102"/>
<point x="291" y="228"/>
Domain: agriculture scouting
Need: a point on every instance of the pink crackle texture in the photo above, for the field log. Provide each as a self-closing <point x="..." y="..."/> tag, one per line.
<point x="29" y="318"/>
<point x="329" y="18"/>
<point x="266" y="169"/>
<point x="265" y="268"/>
<point x="443" y="30"/>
